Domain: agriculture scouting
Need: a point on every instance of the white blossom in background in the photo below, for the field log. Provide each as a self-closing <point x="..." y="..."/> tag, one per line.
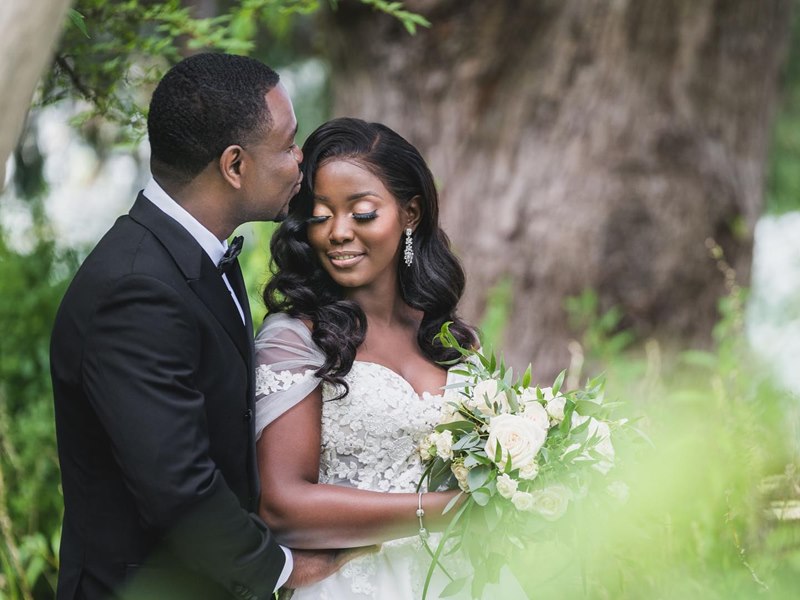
<point x="773" y="312"/>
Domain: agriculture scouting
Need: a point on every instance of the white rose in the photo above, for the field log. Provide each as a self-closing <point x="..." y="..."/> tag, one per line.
<point x="551" y="502"/>
<point x="535" y="412"/>
<point x="603" y="445"/>
<point x="451" y="399"/>
<point x="528" y="395"/>
<point x="485" y="394"/>
<point x="427" y="449"/>
<point x="520" y="440"/>
<point x="555" y="409"/>
<point x="522" y="500"/>
<point x="506" y="486"/>
<point x="461" y="472"/>
<point x="547" y="393"/>
<point x="529" y="471"/>
<point x="444" y="444"/>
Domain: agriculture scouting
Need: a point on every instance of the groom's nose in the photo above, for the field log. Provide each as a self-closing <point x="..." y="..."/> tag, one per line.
<point x="298" y="154"/>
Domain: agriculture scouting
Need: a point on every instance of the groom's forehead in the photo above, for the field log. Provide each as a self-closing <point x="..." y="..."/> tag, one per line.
<point x="282" y="119"/>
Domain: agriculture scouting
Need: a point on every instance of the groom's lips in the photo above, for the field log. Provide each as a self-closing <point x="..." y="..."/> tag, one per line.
<point x="296" y="187"/>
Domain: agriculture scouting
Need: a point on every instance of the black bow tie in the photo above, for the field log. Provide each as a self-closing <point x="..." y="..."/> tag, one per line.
<point x="230" y="255"/>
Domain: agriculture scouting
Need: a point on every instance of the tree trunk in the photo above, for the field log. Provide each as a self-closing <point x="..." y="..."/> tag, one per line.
<point x="580" y="145"/>
<point x="28" y="34"/>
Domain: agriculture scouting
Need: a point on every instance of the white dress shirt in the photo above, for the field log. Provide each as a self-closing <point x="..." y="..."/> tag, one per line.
<point x="215" y="249"/>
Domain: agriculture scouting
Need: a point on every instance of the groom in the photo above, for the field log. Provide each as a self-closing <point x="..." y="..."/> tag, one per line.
<point x="152" y="359"/>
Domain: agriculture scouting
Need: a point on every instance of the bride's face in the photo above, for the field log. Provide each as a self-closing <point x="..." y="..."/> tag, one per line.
<point x="356" y="225"/>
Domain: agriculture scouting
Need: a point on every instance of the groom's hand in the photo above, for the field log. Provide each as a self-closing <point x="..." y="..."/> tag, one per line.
<point x="311" y="566"/>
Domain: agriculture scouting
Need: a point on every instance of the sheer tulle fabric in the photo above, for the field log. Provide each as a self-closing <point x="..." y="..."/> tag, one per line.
<point x="286" y="360"/>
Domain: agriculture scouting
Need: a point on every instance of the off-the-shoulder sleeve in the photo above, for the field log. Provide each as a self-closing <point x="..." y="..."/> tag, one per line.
<point x="286" y="360"/>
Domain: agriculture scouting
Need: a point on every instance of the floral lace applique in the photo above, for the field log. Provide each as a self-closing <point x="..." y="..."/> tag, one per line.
<point x="268" y="381"/>
<point x="370" y="438"/>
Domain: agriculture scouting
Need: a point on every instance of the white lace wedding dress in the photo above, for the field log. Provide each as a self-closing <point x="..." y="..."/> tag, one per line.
<point x="370" y="441"/>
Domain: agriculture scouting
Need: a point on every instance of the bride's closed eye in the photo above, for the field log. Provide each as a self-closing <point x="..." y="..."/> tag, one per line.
<point x="368" y="216"/>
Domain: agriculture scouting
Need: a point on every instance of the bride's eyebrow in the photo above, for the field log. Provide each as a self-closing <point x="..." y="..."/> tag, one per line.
<point x="350" y="198"/>
<point x="360" y="195"/>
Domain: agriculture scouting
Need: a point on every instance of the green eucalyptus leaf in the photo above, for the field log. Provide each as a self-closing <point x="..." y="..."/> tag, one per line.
<point x="455" y="426"/>
<point x="481" y="496"/>
<point x="478" y="476"/>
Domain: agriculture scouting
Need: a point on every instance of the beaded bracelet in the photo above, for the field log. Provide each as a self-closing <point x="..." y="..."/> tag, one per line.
<point x="423" y="533"/>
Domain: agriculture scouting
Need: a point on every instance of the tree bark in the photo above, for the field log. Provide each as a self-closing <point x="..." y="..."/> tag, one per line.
<point x="580" y="145"/>
<point x="28" y="34"/>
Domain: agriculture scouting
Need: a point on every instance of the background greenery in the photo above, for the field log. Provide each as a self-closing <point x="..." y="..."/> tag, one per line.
<point x="699" y="521"/>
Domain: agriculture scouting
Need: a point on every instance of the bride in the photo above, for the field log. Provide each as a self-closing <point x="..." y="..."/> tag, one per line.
<point x="348" y="380"/>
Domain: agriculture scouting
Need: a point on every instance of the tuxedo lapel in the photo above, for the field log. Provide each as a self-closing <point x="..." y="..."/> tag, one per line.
<point x="200" y="272"/>
<point x="236" y="280"/>
<point x="213" y="292"/>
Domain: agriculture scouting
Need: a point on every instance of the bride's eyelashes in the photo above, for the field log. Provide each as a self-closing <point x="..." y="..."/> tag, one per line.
<point x="368" y="216"/>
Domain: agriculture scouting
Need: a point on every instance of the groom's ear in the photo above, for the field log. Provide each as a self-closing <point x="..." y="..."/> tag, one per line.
<point x="230" y="165"/>
<point x="413" y="212"/>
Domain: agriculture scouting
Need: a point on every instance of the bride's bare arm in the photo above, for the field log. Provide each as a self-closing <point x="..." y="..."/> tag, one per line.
<point x="304" y="513"/>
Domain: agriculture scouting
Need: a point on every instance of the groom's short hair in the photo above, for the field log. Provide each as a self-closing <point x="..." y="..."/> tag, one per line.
<point x="204" y="104"/>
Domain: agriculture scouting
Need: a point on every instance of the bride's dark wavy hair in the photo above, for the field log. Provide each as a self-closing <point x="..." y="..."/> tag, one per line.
<point x="301" y="287"/>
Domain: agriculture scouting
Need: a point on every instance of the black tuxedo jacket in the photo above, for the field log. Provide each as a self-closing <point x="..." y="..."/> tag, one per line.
<point x="153" y="383"/>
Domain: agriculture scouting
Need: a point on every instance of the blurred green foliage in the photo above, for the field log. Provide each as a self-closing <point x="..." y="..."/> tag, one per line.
<point x="783" y="174"/>
<point x="30" y="501"/>
<point x="700" y="519"/>
<point x="112" y="54"/>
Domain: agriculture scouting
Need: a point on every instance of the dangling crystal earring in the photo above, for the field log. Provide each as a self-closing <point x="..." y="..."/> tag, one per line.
<point x="408" y="253"/>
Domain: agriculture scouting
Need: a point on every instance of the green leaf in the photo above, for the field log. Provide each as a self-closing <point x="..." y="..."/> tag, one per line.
<point x="482" y="496"/>
<point x="473" y="460"/>
<point x="478" y="476"/>
<point x="559" y="382"/>
<point x="578" y="429"/>
<point x="512" y="400"/>
<point x="455" y="426"/>
<point x="526" y="378"/>
<point x="467" y="441"/>
<point x="572" y="454"/>
<point x="587" y="408"/>
<point x="79" y="21"/>
<point x="454" y="587"/>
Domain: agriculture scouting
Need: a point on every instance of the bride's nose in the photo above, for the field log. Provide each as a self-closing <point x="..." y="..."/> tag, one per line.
<point x="341" y="230"/>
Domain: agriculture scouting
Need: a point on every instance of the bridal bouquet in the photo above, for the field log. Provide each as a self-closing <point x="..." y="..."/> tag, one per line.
<point x="523" y="455"/>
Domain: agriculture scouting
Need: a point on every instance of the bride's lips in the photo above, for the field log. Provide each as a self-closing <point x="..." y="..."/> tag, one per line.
<point x="345" y="259"/>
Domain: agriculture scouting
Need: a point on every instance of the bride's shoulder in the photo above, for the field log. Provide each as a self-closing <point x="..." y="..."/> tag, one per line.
<point x="282" y="325"/>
